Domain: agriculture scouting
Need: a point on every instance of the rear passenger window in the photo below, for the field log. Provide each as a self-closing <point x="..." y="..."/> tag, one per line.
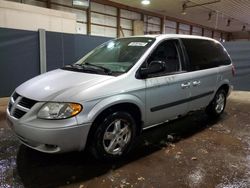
<point x="205" y="54"/>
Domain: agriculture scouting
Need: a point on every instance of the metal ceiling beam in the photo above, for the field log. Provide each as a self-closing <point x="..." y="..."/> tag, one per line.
<point x="201" y="4"/>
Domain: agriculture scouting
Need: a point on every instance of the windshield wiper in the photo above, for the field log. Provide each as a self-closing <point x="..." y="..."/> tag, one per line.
<point x="106" y="70"/>
<point x="80" y="68"/>
<point x="76" y="66"/>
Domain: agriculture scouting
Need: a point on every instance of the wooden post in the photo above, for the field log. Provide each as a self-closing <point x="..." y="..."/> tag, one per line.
<point x="118" y="21"/>
<point x="121" y="30"/>
<point x="162" y="25"/>
<point x="142" y="19"/>
<point x="191" y="30"/>
<point x="89" y="20"/>
<point x="177" y="27"/>
<point x="48" y="3"/>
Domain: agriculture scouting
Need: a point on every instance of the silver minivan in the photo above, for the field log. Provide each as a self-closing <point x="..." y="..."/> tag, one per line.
<point x="104" y="100"/>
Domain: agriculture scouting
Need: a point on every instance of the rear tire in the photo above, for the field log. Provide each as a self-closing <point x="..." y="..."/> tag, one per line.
<point x="114" y="136"/>
<point x="217" y="105"/>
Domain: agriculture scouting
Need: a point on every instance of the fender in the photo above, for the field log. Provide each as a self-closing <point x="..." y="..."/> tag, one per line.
<point x="118" y="99"/>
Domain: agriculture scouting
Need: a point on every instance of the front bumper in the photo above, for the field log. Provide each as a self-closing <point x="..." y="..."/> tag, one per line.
<point x="50" y="140"/>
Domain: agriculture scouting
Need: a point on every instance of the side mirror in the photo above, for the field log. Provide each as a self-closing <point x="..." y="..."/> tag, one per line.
<point x="154" y="67"/>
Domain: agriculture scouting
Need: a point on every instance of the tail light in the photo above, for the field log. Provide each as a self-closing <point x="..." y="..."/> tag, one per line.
<point x="233" y="70"/>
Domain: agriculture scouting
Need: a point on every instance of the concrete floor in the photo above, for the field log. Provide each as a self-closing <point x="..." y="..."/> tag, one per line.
<point x="191" y="152"/>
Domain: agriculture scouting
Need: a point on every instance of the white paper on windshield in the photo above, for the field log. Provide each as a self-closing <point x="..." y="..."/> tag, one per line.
<point x="137" y="44"/>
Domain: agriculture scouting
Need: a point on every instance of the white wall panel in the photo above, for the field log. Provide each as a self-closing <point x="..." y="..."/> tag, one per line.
<point x="103" y="9"/>
<point x="154" y="20"/>
<point x="151" y="28"/>
<point x="127" y="33"/>
<point x="111" y="21"/>
<point x="97" y="30"/>
<point x="97" y="18"/>
<point x="110" y="32"/>
<point x="217" y="35"/>
<point x="184" y="27"/>
<point x="197" y="31"/>
<point x="130" y="14"/>
<point x="81" y="28"/>
<point x="126" y="23"/>
<point x="152" y="24"/>
<point x="81" y="15"/>
<point x="183" y="32"/>
<point x="103" y="19"/>
<point x="170" y="30"/>
<point x="103" y="31"/>
<point x="30" y="17"/>
<point x="171" y="24"/>
<point x="207" y="33"/>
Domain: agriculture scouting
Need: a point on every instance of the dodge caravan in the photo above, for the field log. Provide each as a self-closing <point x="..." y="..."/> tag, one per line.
<point x="104" y="100"/>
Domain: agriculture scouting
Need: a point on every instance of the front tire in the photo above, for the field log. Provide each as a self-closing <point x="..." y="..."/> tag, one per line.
<point x="114" y="136"/>
<point x="218" y="104"/>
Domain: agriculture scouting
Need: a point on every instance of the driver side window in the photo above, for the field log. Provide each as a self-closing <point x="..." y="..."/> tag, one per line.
<point x="167" y="53"/>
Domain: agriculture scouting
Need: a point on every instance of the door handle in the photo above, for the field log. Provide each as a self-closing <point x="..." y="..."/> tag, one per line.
<point x="185" y="85"/>
<point x="196" y="83"/>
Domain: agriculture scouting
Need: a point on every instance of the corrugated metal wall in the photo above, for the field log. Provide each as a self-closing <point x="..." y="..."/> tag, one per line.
<point x="19" y="58"/>
<point x="240" y="54"/>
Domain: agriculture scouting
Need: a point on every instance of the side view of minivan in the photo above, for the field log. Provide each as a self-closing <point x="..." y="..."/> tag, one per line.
<point x="104" y="100"/>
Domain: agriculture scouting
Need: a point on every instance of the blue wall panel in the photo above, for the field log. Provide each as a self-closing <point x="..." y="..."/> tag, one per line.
<point x="239" y="52"/>
<point x="19" y="54"/>
<point x="63" y="49"/>
<point x="19" y="58"/>
<point x="54" y="50"/>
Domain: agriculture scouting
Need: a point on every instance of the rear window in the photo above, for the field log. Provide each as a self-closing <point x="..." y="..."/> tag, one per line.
<point x="204" y="54"/>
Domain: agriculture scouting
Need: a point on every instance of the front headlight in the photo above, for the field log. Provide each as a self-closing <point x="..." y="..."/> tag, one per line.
<point x="54" y="110"/>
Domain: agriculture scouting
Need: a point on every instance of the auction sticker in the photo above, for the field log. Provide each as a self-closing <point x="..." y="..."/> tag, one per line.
<point x="137" y="44"/>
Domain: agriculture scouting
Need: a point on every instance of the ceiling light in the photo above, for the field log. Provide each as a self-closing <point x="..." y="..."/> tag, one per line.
<point x="243" y="28"/>
<point x="145" y="2"/>
<point x="184" y="6"/>
<point x="228" y="22"/>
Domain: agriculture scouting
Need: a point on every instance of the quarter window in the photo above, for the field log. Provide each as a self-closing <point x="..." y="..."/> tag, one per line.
<point x="204" y="54"/>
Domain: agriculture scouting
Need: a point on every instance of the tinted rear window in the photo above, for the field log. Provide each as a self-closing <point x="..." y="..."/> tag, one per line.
<point x="204" y="54"/>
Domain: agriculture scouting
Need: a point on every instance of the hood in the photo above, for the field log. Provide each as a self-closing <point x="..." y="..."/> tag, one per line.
<point x="49" y="86"/>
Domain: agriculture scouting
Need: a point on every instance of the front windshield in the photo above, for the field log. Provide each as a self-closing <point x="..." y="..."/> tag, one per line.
<point x="118" y="55"/>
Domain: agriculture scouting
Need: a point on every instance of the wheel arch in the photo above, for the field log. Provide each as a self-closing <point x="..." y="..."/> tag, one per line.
<point x="225" y="87"/>
<point x="128" y="103"/>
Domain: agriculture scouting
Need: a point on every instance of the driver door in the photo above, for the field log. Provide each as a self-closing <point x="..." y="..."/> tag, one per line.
<point x="167" y="91"/>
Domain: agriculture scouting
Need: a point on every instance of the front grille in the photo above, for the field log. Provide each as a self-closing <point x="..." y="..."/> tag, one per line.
<point x="15" y="96"/>
<point x="18" y="113"/>
<point x="9" y="107"/>
<point x="27" y="103"/>
<point x="19" y="105"/>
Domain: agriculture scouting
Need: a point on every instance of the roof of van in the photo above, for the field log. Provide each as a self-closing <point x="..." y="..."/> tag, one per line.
<point x="162" y="36"/>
